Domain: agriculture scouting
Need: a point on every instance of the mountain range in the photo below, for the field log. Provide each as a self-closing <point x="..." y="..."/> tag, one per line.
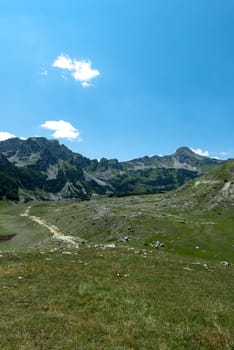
<point x="38" y="168"/>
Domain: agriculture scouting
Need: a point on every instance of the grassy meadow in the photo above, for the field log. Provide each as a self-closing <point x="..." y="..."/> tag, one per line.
<point x="113" y="294"/>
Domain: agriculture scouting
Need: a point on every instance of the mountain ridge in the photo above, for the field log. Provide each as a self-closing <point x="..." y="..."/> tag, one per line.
<point x="45" y="169"/>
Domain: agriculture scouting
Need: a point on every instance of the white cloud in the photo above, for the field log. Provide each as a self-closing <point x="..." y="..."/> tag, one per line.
<point x="61" y="129"/>
<point x="81" y="71"/>
<point x="224" y="153"/>
<point x="4" y="135"/>
<point x="85" y="84"/>
<point x="200" y="152"/>
<point x="63" y="62"/>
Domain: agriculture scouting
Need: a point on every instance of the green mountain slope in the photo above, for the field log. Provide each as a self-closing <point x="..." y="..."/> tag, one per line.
<point x="212" y="190"/>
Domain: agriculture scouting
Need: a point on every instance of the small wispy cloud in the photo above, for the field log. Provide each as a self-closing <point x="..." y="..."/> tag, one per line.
<point x="224" y="153"/>
<point x="61" y="129"/>
<point x="80" y="70"/>
<point x="200" y="152"/>
<point x="85" y="84"/>
<point x="4" y="135"/>
<point x="44" y="72"/>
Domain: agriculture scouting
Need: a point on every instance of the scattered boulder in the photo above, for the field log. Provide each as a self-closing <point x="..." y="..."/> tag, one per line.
<point x="187" y="268"/>
<point x="121" y="275"/>
<point x="225" y="263"/>
<point x="158" y="244"/>
<point x="125" y="239"/>
<point x="110" y="245"/>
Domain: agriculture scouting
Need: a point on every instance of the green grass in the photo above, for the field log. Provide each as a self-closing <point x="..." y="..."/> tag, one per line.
<point x="26" y="233"/>
<point x="191" y="232"/>
<point x="181" y="230"/>
<point x="133" y="296"/>
<point x="113" y="299"/>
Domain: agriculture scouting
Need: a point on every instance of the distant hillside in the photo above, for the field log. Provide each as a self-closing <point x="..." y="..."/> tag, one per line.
<point x="8" y="180"/>
<point x="38" y="168"/>
<point x="212" y="190"/>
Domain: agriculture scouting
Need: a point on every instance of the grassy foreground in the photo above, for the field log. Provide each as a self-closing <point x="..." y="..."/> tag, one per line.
<point x="113" y="298"/>
<point x="112" y="295"/>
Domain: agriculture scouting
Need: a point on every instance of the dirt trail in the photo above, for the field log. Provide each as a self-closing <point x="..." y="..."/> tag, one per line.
<point x="53" y="229"/>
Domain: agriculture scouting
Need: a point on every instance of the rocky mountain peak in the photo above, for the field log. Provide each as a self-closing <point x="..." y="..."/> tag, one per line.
<point x="32" y="150"/>
<point x="46" y="168"/>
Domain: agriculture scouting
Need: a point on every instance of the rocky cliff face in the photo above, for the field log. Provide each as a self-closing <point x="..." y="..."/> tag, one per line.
<point x="47" y="170"/>
<point x="44" y="169"/>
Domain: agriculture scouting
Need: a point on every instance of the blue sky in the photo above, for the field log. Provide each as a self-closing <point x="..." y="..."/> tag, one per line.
<point x="119" y="78"/>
